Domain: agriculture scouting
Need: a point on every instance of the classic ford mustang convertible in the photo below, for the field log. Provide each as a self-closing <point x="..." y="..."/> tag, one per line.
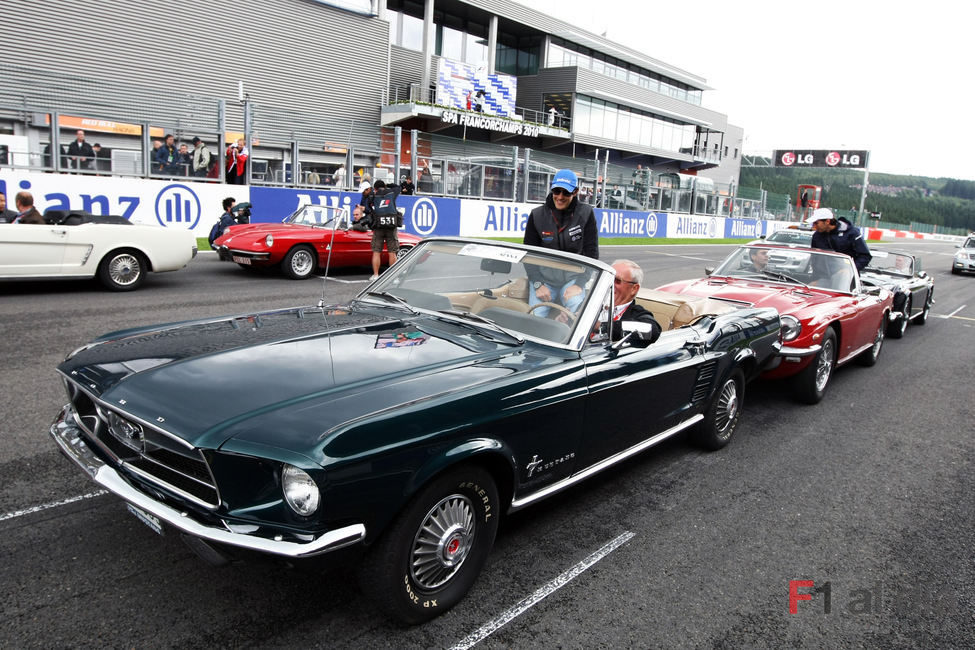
<point x="403" y="425"/>
<point x="828" y="316"/>
<point x="79" y="245"/>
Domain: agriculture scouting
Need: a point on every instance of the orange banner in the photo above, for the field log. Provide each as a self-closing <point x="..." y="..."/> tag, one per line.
<point x="103" y="126"/>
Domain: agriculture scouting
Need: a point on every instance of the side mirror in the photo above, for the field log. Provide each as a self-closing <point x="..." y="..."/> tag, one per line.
<point x="636" y="333"/>
<point x="708" y="270"/>
<point x="922" y="274"/>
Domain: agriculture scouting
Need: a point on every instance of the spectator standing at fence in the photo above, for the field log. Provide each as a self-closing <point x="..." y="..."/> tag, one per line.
<point x="26" y="212"/>
<point x="201" y="158"/>
<point x="339" y="176"/>
<point x="185" y="160"/>
<point x="231" y="162"/>
<point x="242" y="156"/>
<point x="6" y="214"/>
<point x="552" y="113"/>
<point x="156" y="146"/>
<point x="80" y="153"/>
<point x="167" y="157"/>
<point x="479" y="101"/>
<point x="101" y="161"/>
<point x="407" y="187"/>
<point x="470" y="99"/>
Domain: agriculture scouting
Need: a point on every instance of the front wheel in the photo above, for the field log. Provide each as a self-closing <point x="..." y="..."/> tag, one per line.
<point x="429" y="558"/>
<point x="810" y="384"/>
<point x="869" y="356"/>
<point x="896" y="329"/>
<point x="123" y="270"/>
<point x="721" y="419"/>
<point x="299" y="263"/>
<point x="923" y="317"/>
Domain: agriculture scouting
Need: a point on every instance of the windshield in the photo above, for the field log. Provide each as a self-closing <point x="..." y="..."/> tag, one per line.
<point x="321" y="216"/>
<point x="888" y="262"/>
<point x="969" y="243"/>
<point x="496" y="282"/>
<point x="792" y="266"/>
<point x="791" y="237"/>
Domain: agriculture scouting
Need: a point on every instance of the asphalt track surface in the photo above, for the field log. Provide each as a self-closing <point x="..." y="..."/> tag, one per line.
<point x="868" y="495"/>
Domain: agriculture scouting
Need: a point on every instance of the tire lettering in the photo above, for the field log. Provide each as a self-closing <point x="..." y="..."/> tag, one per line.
<point x="409" y="590"/>
<point x="429" y="603"/>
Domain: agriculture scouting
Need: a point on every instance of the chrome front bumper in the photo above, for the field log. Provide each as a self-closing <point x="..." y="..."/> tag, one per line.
<point x="68" y="437"/>
<point x="787" y="351"/>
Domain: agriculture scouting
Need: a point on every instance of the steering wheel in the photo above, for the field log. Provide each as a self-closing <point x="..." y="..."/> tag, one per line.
<point x="559" y="307"/>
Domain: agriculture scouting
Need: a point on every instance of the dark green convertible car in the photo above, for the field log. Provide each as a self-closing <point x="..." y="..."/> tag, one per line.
<point x="402" y="425"/>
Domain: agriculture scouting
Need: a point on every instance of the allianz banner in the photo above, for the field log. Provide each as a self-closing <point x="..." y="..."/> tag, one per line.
<point x="506" y="219"/>
<point x="743" y="228"/>
<point x="423" y="216"/>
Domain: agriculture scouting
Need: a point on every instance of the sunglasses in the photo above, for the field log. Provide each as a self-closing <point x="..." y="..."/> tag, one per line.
<point x="620" y="281"/>
<point x="558" y="191"/>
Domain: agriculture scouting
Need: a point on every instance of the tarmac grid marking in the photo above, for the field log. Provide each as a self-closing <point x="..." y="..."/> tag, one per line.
<point x="540" y="594"/>
<point x="48" y="506"/>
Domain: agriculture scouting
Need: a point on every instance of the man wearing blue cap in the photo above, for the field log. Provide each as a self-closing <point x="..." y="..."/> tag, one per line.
<point x="565" y="224"/>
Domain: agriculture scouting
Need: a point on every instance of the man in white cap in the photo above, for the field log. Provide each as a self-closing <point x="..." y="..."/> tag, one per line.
<point x="565" y="224"/>
<point x="838" y="234"/>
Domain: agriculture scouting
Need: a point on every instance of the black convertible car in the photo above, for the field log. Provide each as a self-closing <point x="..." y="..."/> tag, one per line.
<point x="403" y="425"/>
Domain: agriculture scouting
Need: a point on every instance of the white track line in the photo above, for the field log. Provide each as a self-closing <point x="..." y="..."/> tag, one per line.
<point x="954" y="312"/>
<point x="546" y="590"/>
<point x="48" y="506"/>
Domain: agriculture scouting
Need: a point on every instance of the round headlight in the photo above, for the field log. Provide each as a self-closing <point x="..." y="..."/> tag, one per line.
<point x="269" y="241"/>
<point x="790" y="328"/>
<point x="300" y="490"/>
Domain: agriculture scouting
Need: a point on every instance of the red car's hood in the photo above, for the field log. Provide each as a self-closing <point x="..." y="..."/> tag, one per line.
<point x="785" y="298"/>
<point x="255" y="231"/>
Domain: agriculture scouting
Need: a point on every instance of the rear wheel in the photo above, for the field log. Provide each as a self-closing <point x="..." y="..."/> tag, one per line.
<point x="896" y="329"/>
<point x="721" y="419"/>
<point x="299" y="263"/>
<point x="430" y="556"/>
<point x="869" y="356"/>
<point x="810" y="384"/>
<point x="123" y="270"/>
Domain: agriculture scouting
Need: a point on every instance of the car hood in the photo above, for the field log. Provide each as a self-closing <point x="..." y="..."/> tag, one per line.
<point x="203" y="381"/>
<point x="785" y="298"/>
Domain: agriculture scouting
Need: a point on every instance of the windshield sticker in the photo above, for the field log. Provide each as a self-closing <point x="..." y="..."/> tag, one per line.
<point x="492" y="252"/>
<point x="400" y="340"/>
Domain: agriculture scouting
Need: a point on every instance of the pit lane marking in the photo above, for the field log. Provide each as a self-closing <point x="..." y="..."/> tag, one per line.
<point x="952" y="314"/>
<point x="540" y="594"/>
<point x="48" y="506"/>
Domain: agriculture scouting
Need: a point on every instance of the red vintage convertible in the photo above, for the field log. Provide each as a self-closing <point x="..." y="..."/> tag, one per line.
<point x="828" y="316"/>
<point x="302" y="243"/>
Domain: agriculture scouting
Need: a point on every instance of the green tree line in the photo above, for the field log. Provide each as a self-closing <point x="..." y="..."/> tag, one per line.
<point x="945" y="202"/>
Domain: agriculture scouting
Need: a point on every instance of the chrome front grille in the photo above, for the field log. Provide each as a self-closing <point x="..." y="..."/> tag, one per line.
<point x="156" y="456"/>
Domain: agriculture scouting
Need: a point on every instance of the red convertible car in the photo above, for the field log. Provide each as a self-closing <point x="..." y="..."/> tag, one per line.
<point x="314" y="237"/>
<point x="828" y="316"/>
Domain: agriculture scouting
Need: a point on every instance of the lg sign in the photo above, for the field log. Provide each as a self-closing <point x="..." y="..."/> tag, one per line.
<point x="820" y="158"/>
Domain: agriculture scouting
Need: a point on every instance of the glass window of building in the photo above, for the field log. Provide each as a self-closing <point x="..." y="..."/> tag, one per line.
<point x="411" y="32"/>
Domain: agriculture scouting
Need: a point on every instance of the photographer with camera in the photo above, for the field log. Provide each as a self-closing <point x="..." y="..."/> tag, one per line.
<point x="226" y="220"/>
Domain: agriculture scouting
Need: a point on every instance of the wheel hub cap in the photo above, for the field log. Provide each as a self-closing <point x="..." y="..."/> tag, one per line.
<point x="443" y="541"/>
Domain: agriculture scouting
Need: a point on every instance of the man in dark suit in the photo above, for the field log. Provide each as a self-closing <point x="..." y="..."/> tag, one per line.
<point x="26" y="212"/>
<point x="80" y="153"/>
<point x="629" y="275"/>
<point x="6" y="215"/>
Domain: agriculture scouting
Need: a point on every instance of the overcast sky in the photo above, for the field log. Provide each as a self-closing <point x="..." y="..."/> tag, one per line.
<point x="893" y="77"/>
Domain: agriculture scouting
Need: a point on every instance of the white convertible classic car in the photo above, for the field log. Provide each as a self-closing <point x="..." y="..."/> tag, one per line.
<point x="81" y="245"/>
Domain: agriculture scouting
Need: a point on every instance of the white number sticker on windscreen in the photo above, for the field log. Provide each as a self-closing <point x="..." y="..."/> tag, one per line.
<point x="492" y="252"/>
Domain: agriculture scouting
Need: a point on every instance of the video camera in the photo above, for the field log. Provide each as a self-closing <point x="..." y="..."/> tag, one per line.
<point x="241" y="212"/>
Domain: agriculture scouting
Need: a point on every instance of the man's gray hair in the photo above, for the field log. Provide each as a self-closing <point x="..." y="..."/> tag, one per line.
<point x="635" y="271"/>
